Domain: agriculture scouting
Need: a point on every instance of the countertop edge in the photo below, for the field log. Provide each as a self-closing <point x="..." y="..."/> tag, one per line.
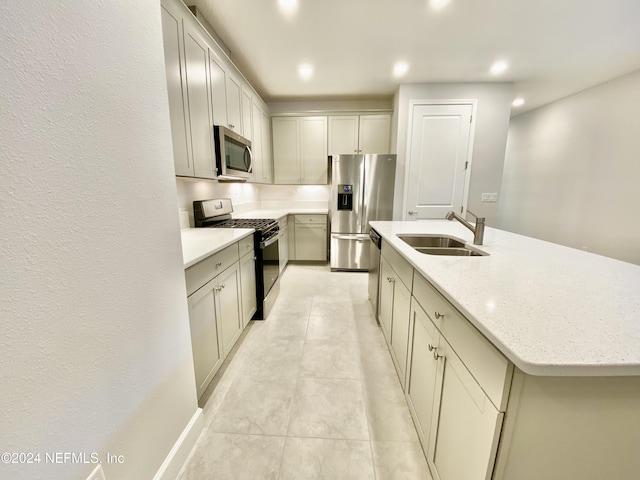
<point x="217" y="244"/>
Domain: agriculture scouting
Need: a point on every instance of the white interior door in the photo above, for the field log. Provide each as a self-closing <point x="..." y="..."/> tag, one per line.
<point x="438" y="151"/>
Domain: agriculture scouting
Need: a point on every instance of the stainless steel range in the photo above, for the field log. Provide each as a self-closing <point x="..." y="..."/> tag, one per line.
<point x="216" y="213"/>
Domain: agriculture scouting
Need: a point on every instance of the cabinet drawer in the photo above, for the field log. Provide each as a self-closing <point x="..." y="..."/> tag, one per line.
<point x="311" y="219"/>
<point x="489" y="367"/>
<point x="245" y="245"/>
<point x="398" y="263"/>
<point x="200" y="273"/>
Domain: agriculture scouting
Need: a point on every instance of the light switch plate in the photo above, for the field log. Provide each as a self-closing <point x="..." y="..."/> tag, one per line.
<point x="97" y="474"/>
<point x="489" y="197"/>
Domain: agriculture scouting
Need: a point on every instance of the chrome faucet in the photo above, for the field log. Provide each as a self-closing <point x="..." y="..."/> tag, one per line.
<point x="478" y="230"/>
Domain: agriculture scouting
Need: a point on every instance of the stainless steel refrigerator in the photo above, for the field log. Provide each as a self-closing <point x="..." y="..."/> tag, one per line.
<point x="361" y="191"/>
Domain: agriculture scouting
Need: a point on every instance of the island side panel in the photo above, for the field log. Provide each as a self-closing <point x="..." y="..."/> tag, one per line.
<point x="571" y="428"/>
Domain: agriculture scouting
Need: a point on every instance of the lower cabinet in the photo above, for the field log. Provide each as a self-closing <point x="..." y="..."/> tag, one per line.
<point x="395" y="303"/>
<point x="221" y="298"/>
<point x="458" y="425"/>
<point x="248" y="285"/>
<point x="311" y="237"/>
<point x="205" y="341"/>
<point x="229" y="301"/>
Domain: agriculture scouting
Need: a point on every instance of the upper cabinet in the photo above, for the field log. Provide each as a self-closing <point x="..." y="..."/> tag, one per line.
<point x="234" y="104"/>
<point x="261" y="144"/>
<point x="174" y="64"/>
<point x="199" y="100"/>
<point x="300" y="150"/>
<point x="206" y="89"/>
<point x="354" y="134"/>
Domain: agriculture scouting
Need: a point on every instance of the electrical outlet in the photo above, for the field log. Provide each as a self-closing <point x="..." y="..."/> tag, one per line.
<point x="489" y="197"/>
<point x="97" y="474"/>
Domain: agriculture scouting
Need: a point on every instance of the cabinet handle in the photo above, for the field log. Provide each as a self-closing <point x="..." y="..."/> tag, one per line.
<point x="432" y="348"/>
<point x="439" y="315"/>
<point x="390" y="280"/>
<point x="221" y="286"/>
<point x="219" y="264"/>
<point x="437" y="356"/>
<point x="411" y="212"/>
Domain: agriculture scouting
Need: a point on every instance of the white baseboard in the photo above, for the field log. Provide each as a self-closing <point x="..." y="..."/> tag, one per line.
<point x="178" y="455"/>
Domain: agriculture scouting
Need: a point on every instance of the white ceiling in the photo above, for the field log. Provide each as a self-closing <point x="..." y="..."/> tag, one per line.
<point x="553" y="47"/>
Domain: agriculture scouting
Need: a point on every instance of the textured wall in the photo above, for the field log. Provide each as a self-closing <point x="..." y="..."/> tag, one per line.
<point x="95" y="352"/>
<point x="572" y="171"/>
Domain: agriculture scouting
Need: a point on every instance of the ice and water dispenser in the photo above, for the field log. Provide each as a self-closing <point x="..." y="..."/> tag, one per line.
<point x="345" y="197"/>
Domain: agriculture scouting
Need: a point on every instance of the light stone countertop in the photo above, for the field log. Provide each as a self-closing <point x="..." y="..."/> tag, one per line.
<point x="199" y="243"/>
<point x="552" y="310"/>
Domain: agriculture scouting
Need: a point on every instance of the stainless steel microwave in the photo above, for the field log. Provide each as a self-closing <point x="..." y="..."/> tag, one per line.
<point x="233" y="154"/>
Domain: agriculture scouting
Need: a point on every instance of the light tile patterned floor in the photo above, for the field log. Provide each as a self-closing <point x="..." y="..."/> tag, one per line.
<point x="309" y="393"/>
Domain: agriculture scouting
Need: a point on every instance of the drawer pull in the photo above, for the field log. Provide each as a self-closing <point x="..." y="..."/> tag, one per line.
<point x="439" y="315"/>
<point x="437" y="356"/>
<point x="432" y="348"/>
<point x="391" y="280"/>
<point x="219" y="264"/>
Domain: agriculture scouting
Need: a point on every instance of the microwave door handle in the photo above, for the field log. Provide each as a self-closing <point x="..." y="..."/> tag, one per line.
<point x="249" y="155"/>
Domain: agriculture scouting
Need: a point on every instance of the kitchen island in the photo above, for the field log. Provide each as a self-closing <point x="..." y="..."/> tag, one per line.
<point x="523" y="363"/>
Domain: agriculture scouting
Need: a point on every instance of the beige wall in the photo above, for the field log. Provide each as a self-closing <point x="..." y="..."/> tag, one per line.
<point x="491" y="125"/>
<point x="95" y="350"/>
<point x="572" y="171"/>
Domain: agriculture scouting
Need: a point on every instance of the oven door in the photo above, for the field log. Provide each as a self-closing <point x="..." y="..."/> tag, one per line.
<point x="270" y="262"/>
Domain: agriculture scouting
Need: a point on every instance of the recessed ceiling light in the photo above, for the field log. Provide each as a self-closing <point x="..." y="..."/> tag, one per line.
<point x="399" y="69"/>
<point x="305" y="71"/>
<point x="288" y="3"/>
<point x="438" y="4"/>
<point x="518" y="102"/>
<point x="499" y="67"/>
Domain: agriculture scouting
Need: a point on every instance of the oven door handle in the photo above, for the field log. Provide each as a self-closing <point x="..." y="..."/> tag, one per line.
<point x="269" y="241"/>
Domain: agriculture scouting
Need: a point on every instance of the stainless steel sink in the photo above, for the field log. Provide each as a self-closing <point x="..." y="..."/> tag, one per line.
<point x="458" y="252"/>
<point x="439" y="245"/>
<point x="420" y="241"/>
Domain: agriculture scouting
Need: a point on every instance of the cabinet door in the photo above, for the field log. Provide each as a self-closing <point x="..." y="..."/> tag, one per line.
<point x="207" y="355"/>
<point x="218" y="89"/>
<point x="234" y="104"/>
<point x="422" y="374"/>
<point x="247" y="124"/>
<point x="374" y="136"/>
<point x="248" y="281"/>
<point x="311" y="242"/>
<point x="230" y="311"/>
<point x="313" y="150"/>
<point x="267" y="165"/>
<point x="196" y="59"/>
<point x="286" y="164"/>
<point x="177" y="89"/>
<point x="385" y="312"/>
<point x="283" y="248"/>
<point x="343" y="134"/>
<point x="256" y="144"/>
<point x="466" y="427"/>
<point x="400" y="327"/>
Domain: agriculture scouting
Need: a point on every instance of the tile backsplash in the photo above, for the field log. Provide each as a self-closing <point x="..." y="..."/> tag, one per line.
<point x="248" y="196"/>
